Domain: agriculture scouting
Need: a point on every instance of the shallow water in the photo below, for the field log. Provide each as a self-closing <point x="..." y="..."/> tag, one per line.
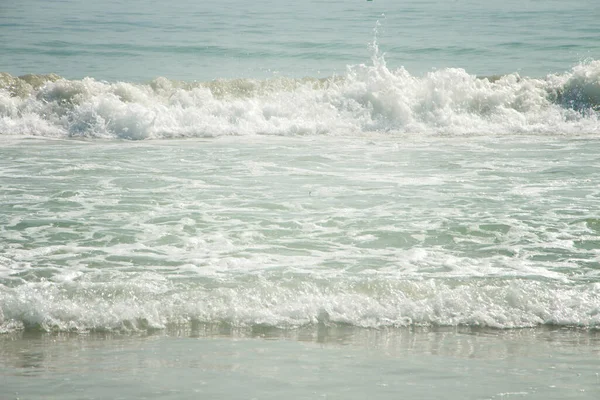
<point x="369" y="232"/>
<point x="342" y="363"/>
<point x="300" y="199"/>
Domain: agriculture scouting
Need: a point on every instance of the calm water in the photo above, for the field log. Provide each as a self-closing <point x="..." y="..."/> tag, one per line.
<point x="340" y="365"/>
<point x="191" y="40"/>
<point x="301" y="199"/>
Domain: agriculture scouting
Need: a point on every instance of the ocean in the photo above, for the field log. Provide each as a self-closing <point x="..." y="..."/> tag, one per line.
<point x="256" y="200"/>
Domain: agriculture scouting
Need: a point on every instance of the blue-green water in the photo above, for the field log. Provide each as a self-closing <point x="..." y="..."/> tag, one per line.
<point x="191" y="40"/>
<point x="299" y="199"/>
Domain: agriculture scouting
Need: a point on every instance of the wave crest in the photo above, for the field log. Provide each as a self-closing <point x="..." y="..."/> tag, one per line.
<point x="368" y="98"/>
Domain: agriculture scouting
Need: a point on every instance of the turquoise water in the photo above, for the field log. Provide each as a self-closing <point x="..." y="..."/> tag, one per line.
<point x="190" y="40"/>
<point x="302" y="199"/>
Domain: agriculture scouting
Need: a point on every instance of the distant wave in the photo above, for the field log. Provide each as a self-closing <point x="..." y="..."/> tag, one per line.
<point x="367" y="98"/>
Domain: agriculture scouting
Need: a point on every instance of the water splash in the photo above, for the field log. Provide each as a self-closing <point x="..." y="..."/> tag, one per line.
<point x="368" y="98"/>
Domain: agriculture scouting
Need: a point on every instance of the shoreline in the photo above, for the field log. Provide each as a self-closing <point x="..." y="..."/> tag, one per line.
<point x="345" y="363"/>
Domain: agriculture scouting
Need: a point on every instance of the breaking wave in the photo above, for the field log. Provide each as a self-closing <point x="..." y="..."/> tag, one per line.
<point x="149" y="301"/>
<point x="367" y="98"/>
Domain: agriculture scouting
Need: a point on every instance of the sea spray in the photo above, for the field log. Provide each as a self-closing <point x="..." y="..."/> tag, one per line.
<point x="368" y="98"/>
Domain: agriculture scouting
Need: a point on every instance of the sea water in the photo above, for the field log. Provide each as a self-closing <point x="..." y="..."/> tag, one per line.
<point x="300" y="199"/>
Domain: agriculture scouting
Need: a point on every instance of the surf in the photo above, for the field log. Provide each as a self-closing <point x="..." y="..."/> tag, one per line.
<point x="368" y="98"/>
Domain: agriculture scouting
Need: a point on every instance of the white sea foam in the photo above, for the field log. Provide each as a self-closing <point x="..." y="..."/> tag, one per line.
<point x="367" y="98"/>
<point x="149" y="301"/>
<point x="299" y="232"/>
